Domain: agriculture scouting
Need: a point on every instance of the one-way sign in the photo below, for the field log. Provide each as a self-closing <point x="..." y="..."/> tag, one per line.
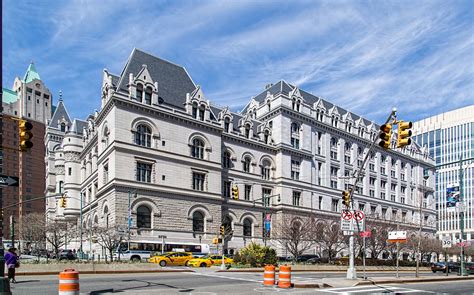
<point x="6" y="180"/>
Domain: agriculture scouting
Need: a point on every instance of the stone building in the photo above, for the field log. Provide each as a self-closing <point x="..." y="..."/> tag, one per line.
<point x="161" y="146"/>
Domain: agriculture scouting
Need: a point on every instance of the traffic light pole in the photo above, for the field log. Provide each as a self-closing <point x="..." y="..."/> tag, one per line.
<point x="351" y="271"/>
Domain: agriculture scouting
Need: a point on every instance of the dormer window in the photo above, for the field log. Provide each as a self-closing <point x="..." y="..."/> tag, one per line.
<point x="148" y="92"/>
<point x="295" y="105"/>
<point x="334" y="121"/>
<point x="201" y="113"/>
<point x="266" y="137"/>
<point x="139" y="92"/>
<point x="247" y="131"/>
<point x="63" y="127"/>
<point x="226" y="124"/>
<point x="195" y="110"/>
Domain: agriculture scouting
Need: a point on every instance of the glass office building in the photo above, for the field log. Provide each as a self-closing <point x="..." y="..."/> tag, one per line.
<point x="449" y="137"/>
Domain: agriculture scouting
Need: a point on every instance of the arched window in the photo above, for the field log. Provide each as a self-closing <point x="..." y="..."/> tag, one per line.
<point x="195" y="110"/>
<point x="197" y="150"/>
<point x="347" y="146"/>
<point x="143" y="136"/>
<point x="266" y="137"/>
<point x="201" y="113"/>
<point x="247" y="131"/>
<point x="247" y="227"/>
<point x="226" y="161"/>
<point x="265" y="170"/>
<point x="63" y="127"/>
<point x="198" y="221"/>
<point x="143" y="217"/>
<point x="148" y="92"/>
<point x="106" y="214"/>
<point x="96" y="220"/>
<point x="333" y="142"/>
<point x="139" y="92"/>
<point x="246" y="164"/>
<point x="105" y="139"/>
<point x="226" y="124"/>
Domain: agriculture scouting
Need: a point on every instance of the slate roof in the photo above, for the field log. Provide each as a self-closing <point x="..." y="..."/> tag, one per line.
<point x="78" y="126"/>
<point x="173" y="80"/>
<point x="59" y="113"/>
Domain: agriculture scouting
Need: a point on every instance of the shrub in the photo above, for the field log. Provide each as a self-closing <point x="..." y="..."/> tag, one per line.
<point x="256" y="255"/>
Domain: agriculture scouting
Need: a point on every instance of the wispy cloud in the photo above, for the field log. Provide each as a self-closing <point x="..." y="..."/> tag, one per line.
<point x="357" y="54"/>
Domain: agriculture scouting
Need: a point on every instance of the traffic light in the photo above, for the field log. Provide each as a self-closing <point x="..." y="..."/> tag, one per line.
<point x="222" y="230"/>
<point x="24" y="131"/>
<point x="215" y="241"/>
<point x="404" y="134"/>
<point x="62" y="202"/>
<point x="385" y="135"/>
<point x="235" y="192"/>
<point x="346" y="198"/>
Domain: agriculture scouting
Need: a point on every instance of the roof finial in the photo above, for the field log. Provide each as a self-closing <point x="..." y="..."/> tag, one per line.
<point x="60" y="95"/>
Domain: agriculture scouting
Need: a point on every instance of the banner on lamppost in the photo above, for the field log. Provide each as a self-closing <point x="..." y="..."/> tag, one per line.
<point x="452" y="196"/>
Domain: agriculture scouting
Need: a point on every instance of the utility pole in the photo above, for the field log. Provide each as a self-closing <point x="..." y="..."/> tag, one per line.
<point x="351" y="271"/>
<point x="462" y="209"/>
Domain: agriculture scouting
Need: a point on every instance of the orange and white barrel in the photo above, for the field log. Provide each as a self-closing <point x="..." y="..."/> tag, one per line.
<point x="269" y="275"/>
<point x="284" y="276"/>
<point x="69" y="282"/>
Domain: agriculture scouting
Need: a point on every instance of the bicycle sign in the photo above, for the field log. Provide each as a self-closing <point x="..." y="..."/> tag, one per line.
<point x="359" y="215"/>
<point x="352" y="221"/>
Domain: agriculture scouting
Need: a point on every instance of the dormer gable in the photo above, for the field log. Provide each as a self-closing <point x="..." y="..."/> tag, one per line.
<point x="197" y="105"/>
<point x="246" y="126"/>
<point x="226" y="119"/>
<point x="142" y="88"/>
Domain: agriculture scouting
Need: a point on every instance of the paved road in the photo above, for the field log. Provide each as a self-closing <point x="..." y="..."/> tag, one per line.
<point x="207" y="281"/>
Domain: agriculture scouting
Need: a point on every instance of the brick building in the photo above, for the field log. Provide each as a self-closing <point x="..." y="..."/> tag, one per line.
<point x="31" y="100"/>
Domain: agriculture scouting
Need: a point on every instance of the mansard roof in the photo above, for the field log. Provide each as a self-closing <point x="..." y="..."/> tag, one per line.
<point x="173" y="80"/>
<point x="60" y="112"/>
<point x="78" y="126"/>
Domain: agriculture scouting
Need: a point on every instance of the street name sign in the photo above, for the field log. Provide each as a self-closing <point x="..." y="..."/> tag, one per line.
<point x="6" y="180"/>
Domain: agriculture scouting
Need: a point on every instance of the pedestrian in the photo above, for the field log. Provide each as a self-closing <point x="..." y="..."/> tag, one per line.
<point x="12" y="262"/>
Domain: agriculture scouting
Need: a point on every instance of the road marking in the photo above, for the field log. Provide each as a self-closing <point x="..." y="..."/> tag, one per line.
<point x="380" y="288"/>
<point x="224" y="277"/>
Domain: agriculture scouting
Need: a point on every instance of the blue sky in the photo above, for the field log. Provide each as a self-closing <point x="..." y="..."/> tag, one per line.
<point x="365" y="56"/>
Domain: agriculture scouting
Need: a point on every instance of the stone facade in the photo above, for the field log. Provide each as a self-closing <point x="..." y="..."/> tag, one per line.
<point x="159" y="145"/>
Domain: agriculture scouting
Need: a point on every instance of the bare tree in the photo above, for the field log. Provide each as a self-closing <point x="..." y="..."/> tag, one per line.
<point x="297" y="234"/>
<point x="56" y="234"/>
<point x="377" y="242"/>
<point x="33" y="229"/>
<point x="330" y="238"/>
<point x="109" y="238"/>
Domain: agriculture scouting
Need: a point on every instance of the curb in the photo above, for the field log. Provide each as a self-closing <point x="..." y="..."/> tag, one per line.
<point x="105" y="272"/>
<point x="314" y="270"/>
<point x="405" y="281"/>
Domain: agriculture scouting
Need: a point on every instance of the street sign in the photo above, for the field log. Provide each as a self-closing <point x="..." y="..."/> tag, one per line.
<point x="359" y="215"/>
<point x="346" y="225"/>
<point x="366" y="234"/>
<point x="464" y="244"/>
<point x="346" y="215"/>
<point x="397" y="237"/>
<point x="447" y="243"/>
<point x="6" y="180"/>
<point x="267" y="225"/>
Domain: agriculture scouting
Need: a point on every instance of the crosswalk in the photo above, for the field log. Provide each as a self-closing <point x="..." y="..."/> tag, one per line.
<point x="373" y="289"/>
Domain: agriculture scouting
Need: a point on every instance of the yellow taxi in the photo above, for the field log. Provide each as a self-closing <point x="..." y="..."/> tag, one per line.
<point x="209" y="260"/>
<point x="172" y="258"/>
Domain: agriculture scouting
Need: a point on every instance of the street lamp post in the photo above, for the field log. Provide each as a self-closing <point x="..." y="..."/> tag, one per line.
<point x="422" y="195"/>
<point x="265" y="199"/>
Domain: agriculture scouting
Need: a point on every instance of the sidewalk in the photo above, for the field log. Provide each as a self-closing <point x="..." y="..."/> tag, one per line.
<point x="342" y="282"/>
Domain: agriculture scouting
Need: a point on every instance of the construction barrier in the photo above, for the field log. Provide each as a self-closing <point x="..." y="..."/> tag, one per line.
<point x="69" y="282"/>
<point x="269" y="275"/>
<point x="284" y="276"/>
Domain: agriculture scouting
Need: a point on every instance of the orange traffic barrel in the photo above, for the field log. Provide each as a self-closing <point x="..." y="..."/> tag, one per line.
<point x="69" y="282"/>
<point x="269" y="275"/>
<point x="284" y="276"/>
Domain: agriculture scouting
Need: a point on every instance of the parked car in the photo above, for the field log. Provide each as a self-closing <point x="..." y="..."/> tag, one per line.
<point x="172" y="258"/>
<point x="305" y="258"/>
<point x="207" y="261"/>
<point x="441" y="266"/>
<point x="67" y="255"/>
<point x="469" y="267"/>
